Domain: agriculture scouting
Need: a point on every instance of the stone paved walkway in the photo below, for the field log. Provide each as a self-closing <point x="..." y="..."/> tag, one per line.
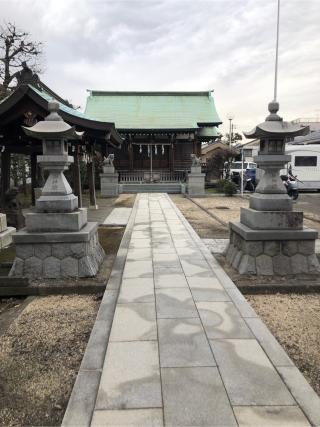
<point x="185" y="347"/>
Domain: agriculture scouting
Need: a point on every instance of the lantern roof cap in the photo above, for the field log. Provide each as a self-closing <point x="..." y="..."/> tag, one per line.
<point x="274" y="126"/>
<point x="53" y="126"/>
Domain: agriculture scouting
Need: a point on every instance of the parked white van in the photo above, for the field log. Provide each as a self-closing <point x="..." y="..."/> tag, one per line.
<point x="305" y="164"/>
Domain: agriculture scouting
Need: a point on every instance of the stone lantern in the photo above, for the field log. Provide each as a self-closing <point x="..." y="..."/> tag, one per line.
<point x="57" y="241"/>
<point x="270" y="237"/>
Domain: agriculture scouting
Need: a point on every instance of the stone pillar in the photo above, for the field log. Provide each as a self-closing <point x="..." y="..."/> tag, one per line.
<point x="196" y="179"/>
<point x="109" y="179"/>
<point x="77" y="175"/>
<point x="270" y="238"/>
<point x="58" y="241"/>
<point x="5" y="232"/>
<point x="92" y="184"/>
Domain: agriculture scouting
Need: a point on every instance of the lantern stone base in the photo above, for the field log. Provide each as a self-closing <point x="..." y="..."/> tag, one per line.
<point x="272" y="252"/>
<point x="57" y="254"/>
<point x="196" y="182"/>
<point x="109" y="184"/>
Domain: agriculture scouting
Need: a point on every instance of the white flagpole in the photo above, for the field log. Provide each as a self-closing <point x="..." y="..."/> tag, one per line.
<point x="277" y="54"/>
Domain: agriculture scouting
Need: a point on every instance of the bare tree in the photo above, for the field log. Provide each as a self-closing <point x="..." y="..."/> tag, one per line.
<point x="16" y="48"/>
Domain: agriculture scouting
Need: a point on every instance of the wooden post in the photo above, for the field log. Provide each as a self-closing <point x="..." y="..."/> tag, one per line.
<point x="5" y="174"/>
<point x="77" y="176"/>
<point x="34" y="184"/>
<point x="130" y="156"/>
<point x="172" y="157"/>
<point x="194" y="145"/>
<point x="91" y="178"/>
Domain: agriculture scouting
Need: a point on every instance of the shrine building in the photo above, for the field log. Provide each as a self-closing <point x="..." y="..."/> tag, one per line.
<point x="160" y="130"/>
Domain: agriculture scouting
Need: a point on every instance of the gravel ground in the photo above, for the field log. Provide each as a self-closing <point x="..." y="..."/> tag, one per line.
<point x="295" y="321"/>
<point x="39" y="357"/>
<point x="206" y="226"/>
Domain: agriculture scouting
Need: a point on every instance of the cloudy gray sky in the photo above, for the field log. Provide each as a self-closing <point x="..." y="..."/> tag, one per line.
<point x="225" y="45"/>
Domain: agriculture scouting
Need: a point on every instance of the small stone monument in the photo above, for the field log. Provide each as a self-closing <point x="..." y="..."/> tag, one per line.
<point x="196" y="179"/>
<point x="109" y="178"/>
<point x="57" y="241"/>
<point x="5" y="232"/>
<point x="270" y="237"/>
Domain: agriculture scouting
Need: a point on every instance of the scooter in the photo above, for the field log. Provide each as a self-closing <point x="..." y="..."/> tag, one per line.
<point x="291" y="184"/>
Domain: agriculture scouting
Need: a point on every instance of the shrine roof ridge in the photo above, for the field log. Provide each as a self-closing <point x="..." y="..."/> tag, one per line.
<point x="94" y="92"/>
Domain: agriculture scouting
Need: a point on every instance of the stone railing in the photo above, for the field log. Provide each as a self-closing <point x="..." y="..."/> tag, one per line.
<point x="156" y="176"/>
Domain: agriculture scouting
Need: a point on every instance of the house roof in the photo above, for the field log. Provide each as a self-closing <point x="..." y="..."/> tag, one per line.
<point x="214" y="146"/>
<point x="69" y="114"/>
<point x="153" y="110"/>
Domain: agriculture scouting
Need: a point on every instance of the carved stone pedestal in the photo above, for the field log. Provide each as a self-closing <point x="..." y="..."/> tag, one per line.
<point x="196" y="182"/>
<point x="109" y="181"/>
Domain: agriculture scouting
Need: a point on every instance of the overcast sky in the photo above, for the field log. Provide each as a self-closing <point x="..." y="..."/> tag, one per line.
<point x="225" y="45"/>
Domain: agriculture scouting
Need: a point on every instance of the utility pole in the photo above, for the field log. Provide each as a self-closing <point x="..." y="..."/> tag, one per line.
<point x="230" y="117"/>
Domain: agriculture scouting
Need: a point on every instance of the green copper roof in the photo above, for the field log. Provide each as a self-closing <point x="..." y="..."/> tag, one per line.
<point x="153" y="110"/>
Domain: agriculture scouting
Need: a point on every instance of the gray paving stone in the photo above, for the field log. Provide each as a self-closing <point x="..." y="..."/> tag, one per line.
<point x="138" y="386"/>
<point x="162" y="269"/>
<point x="196" y="267"/>
<point x="270" y="416"/>
<point x="137" y="290"/>
<point x="306" y="397"/>
<point x="165" y="280"/>
<point x="134" y="269"/>
<point x="134" y="322"/>
<point x="163" y="248"/>
<point x="139" y="254"/>
<point x="82" y="400"/>
<point x="268" y="342"/>
<point x="183" y="343"/>
<point x="140" y="243"/>
<point x="248" y="375"/>
<point x="175" y="303"/>
<point x="222" y="320"/>
<point x="189" y="252"/>
<point x="207" y="289"/>
<point x="142" y="234"/>
<point x="97" y="344"/>
<point x="107" y="306"/>
<point x="195" y="397"/>
<point x="128" y="418"/>
<point x="241" y="303"/>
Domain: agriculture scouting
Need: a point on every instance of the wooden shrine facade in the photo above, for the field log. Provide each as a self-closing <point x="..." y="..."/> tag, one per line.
<point x="160" y="130"/>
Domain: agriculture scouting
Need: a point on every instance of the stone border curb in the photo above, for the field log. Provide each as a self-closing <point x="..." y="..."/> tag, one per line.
<point x="83" y="397"/>
<point x="300" y="389"/>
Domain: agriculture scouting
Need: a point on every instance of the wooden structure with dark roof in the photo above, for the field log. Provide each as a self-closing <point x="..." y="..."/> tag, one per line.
<point x="28" y="104"/>
<point x="160" y="129"/>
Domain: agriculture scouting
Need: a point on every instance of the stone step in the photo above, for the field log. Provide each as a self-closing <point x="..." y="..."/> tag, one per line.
<point x="152" y="188"/>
